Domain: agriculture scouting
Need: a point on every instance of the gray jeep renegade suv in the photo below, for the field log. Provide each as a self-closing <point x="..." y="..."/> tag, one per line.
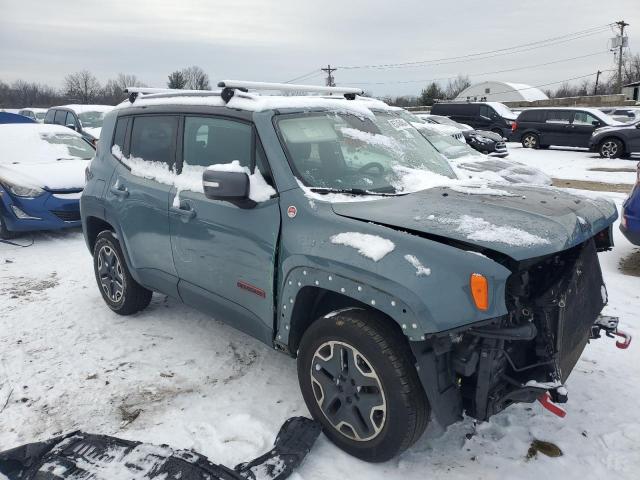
<point x="331" y="230"/>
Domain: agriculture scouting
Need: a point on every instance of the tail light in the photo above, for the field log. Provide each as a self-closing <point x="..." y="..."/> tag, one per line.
<point x="514" y="126"/>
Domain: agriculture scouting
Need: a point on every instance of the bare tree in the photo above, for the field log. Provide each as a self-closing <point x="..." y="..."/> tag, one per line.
<point x="82" y="86"/>
<point x="195" y="78"/>
<point x="113" y="91"/>
<point x="456" y="85"/>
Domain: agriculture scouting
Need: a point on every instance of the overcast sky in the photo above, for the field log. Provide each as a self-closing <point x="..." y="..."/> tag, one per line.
<point x="43" y="40"/>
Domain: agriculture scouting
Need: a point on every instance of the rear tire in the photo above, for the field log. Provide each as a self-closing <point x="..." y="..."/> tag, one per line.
<point x="530" y="140"/>
<point x="611" y="148"/>
<point x="358" y="379"/>
<point x="119" y="290"/>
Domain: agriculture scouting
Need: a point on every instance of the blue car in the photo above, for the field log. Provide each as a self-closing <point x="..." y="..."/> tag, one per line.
<point x="630" y="221"/>
<point x="42" y="174"/>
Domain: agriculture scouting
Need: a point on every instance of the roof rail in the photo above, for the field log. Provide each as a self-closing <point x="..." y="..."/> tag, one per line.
<point x="230" y="85"/>
<point x="167" y="92"/>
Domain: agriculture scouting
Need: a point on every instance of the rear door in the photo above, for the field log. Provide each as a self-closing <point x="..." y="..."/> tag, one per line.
<point x="582" y="128"/>
<point x="225" y="254"/>
<point x="557" y="129"/>
<point x="141" y="205"/>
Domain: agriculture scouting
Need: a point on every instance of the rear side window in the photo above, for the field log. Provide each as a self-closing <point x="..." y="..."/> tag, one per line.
<point x="120" y="132"/>
<point x="212" y="141"/>
<point x="559" y="116"/>
<point x="49" y="116"/>
<point x="60" y="117"/>
<point x="532" y="116"/>
<point x="153" y="138"/>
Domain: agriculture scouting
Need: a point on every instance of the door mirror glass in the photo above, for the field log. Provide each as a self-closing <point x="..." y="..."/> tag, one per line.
<point x="595" y="123"/>
<point x="220" y="185"/>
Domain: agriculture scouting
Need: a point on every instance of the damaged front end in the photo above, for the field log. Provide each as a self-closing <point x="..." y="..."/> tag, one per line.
<point x="554" y="306"/>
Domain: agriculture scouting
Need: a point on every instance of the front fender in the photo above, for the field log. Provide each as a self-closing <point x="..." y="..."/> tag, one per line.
<point x="420" y="304"/>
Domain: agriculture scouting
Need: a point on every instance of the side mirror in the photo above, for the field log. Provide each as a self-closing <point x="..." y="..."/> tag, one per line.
<point x="595" y="123"/>
<point x="231" y="186"/>
<point x="71" y="126"/>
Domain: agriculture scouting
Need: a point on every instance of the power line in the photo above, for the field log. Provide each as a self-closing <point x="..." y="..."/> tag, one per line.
<point x="491" y="53"/>
<point x="315" y="71"/>
<point x="481" y="74"/>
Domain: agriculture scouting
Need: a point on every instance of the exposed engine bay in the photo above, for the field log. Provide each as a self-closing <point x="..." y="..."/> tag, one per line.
<point x="554" y="305"/>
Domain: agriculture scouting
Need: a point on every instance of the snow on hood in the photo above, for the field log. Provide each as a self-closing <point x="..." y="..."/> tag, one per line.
<point x="93" y="131"/>
<point x="528" y="222"/>
<point x="57" y="175"/>
<point x="499" y="170"/>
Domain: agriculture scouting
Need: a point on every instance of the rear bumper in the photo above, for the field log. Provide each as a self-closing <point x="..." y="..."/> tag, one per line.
<point x="49" y="211"/>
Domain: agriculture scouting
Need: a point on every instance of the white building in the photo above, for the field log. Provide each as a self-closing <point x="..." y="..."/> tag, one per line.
<point x="631" y="91"/>
<point x="501" y="92"/>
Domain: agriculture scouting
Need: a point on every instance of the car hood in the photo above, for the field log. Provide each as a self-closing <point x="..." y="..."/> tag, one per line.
<point x="628" y="126"/>
<point x="519" y="221"/>
<point x="54" y="176"/>
<point x="93" y="131"/>
<point x="500" y="170"/>
<point x="486" y="134"/>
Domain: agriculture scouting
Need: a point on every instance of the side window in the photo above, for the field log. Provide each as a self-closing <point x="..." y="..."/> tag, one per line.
<point x="212" y="141"/>
<point x="120" y="132"/>
<point x="484" y="111"/>
<point x="60" y="117"/>
<point x="49" y="116"/>
<point x="153" y="138"/>
<point x="562" y="117"/>
<point x="71" y="119"/>
<point x="584" y="118"/>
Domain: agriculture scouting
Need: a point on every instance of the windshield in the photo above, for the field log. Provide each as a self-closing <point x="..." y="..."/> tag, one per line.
<point x="447" y="121"/>
<point x="449" y="146"/>
<point x="69" y="146"/>
<point x="502" y="110"/>
<point x="91" y="119"/>
<point x="345" y="152"/>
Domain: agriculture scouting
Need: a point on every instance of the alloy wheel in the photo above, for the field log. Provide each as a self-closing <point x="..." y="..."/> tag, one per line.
<point x="348" y="391"/>
<point x="110" y="274"/>
<point x="609" y="149"/>
<point x="529" y="141"/>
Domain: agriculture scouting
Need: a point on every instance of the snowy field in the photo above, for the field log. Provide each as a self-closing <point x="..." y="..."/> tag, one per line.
<point x="172" y="375"/>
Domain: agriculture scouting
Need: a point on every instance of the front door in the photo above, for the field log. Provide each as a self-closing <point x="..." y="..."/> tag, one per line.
<point x="225" y="254"/>
<point x="583" y="126"/>
<point x="141" y="205"/>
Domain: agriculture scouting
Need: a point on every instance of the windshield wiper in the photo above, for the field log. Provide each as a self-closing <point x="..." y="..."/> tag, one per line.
<point x="352" y="191"/>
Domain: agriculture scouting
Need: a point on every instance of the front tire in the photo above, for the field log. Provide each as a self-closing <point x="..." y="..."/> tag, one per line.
<point x="358" y="380"/>
<point x="119" y="290"/>
<point x="530" y="140"/>
<point x="611" y="148"/>
<point x="5" y="234"/>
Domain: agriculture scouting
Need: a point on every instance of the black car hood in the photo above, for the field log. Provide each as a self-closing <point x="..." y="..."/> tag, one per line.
<point x="519" y="221"/>
<point x="484" y="133"/>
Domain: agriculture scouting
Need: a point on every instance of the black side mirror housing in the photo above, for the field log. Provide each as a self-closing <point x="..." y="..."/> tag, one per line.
<point x="596" y="123"/>
<point x="230" y="186"/>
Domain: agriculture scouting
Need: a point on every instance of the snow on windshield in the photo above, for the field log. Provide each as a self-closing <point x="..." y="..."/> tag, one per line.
<point x="190" y="179"/>
<point x="38" y="143"/>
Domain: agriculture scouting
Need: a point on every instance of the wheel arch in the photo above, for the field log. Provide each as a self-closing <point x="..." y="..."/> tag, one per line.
<point x="93" y="227"/>
<point x="310" y="293"/>
<point x="613" y="136"/>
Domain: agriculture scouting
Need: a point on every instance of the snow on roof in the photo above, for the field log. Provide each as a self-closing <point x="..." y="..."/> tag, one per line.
<point x="529" y="93"/>
<point x="87" y="108"/>
<point x="259" y="103"/>
<point x="35" y="109"/>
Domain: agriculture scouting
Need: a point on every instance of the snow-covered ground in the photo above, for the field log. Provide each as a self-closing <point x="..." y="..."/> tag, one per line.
<point x="67" y="362"/>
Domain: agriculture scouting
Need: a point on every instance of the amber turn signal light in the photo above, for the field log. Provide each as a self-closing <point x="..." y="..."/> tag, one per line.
<point x="479" y="291"/>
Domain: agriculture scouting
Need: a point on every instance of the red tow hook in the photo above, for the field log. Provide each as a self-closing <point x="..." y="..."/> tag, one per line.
<point x="545" y="401"/>
<point x="626" y="342"/>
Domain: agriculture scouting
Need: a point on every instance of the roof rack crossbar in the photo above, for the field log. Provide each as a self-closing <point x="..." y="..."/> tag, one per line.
<point x="288" y="87"/>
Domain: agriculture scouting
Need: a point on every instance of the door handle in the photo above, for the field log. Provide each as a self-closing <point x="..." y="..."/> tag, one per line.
<point x="185" y="211"/>
<point x="119" y="190"/>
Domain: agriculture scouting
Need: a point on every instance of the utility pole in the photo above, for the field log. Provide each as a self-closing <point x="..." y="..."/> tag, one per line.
<point x="595" y="89"/>
<point x="621" y="24"/>
<point x="330" y="80"/>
